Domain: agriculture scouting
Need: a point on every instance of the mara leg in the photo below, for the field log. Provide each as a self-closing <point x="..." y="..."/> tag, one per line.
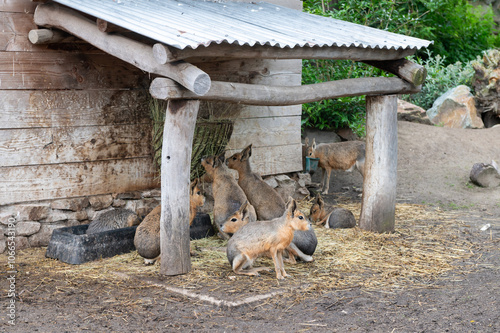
<point x="360" y="165"/>
<point x="282" y="265"/>
<point x="327" y="184"/>
<point x="277" y="265"/>
<point x="242" y="261"/>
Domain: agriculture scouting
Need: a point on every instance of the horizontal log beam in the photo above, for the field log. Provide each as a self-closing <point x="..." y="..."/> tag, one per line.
<point x="228" y="51"/>
<point x="405" y="69"/>
<point x="256" y="94"/>
<point x="128" y="50"/>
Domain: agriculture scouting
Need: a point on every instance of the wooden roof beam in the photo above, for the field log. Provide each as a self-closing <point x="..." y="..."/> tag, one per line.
<point x="165" y="53"/>
<point x="256" y="94"/>
<point x="138" y="54"/>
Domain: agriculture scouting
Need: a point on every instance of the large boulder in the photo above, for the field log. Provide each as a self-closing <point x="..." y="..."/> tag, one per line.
<point x="456" y="108"/>
<point x="412" y="113"/>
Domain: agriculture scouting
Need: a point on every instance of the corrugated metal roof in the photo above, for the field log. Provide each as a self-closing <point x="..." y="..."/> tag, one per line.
<point x="193" y="23"/>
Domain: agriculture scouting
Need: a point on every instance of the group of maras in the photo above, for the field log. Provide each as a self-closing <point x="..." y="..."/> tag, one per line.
<point x="253" y="216"/>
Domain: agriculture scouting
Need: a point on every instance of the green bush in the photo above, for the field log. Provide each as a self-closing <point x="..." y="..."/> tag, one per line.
<point x="440" y="78"/>
<point x="459" y="30"/>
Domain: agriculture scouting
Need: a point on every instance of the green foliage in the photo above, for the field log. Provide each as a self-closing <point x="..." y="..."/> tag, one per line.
<point x="341" y="112"/>
<point x="440" y="78"/>
<point x="460" y="32"/>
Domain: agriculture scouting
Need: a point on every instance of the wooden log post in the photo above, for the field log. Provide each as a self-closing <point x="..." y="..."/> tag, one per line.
<point x="180" y="120"/>
<point x="379" y="186"/>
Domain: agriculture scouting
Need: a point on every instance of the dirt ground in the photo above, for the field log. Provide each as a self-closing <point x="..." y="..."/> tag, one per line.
<point x="433" y="172"/>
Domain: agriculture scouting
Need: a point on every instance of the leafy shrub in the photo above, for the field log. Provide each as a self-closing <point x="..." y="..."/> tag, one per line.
<point x="440" y="78"/>
<point x="459" y="30"/>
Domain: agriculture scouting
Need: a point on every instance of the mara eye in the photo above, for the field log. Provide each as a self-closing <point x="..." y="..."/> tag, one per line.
<point x="234" y="158"/>
<point x="234" y="219"/>
<point x="199" y="192"/>
<point x="301" y="217"/>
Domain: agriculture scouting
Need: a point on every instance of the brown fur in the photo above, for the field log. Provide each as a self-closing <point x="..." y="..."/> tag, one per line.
<point x="261" y="238"/>
<point x="228" y="195"/>
<point x="345" y="156"/>
<point x="302" y="240"/>
<point x="147" y="235"/>
<point x="267" y="202"/>
<point x="337" y="218"/>
<point x="237" y="220"/>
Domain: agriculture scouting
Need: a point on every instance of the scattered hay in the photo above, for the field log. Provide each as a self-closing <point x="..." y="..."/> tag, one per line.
<point x="421" y="250"/>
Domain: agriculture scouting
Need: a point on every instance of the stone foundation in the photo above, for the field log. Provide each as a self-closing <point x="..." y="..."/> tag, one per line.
<point x="32" y="224"/>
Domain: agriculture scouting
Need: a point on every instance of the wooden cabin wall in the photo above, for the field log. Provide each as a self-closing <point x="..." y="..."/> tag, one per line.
<point x="274" y="131"/>
<point x="73" y="120"/>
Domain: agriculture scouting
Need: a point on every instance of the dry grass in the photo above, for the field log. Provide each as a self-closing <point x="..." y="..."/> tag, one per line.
<point x="423" y="248"/>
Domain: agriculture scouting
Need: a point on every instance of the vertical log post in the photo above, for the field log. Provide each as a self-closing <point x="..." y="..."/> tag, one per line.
<point x="180" y="120"/>
<point x="379" y="186"/>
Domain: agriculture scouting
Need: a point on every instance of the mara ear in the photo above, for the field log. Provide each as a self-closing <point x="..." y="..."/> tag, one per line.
<point x="314" y="144"/>
<point x="246" y="153"/>
<point x="320" y="201"/>
<point x="244" y="210"/>
<point x="194" y="183"/>
<point x="291" y="206"/>
<point x="306" y="141"/>
<point x="219" y="159"/>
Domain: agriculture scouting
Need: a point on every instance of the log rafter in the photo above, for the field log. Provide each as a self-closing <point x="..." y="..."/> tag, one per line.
<point x="126" y="49"/>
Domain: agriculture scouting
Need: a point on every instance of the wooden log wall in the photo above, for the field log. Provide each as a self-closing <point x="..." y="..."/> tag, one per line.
<point x="73" y="120"/>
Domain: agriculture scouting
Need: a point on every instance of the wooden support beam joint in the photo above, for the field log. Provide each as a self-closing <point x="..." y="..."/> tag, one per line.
<point x="138" y="54"/>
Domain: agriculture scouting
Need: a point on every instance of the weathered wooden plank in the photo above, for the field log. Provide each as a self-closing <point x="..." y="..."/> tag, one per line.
<point x="19" y="23"/>
<point x="53" y="181"/>
<point x="265" y="131"/>
<point x="35" y="146"/>
<point x="379" y="185"/>
<point x="267" y="71"/>
<point x="51" y="108"/>
<point x="180" y="120"/>
<point x="221" y="110"/>
<point x="11" y="42"/>
<point x="20" y="6"/>
<point x="39" y="70"/>
<point x="273" y="160"/>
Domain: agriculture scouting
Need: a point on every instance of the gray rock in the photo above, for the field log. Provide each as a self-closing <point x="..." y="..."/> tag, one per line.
<point x="74" y="204"/>
<point x="27" y="228"/>
<point x="271" y="181"/>
<point x="42" y="237"/>
<point x="100" y="202"/>
<point x="456" y="108"/>
<point x="56" y="215"/>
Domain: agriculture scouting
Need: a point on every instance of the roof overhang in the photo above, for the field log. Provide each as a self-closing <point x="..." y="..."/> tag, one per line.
<point x="185" y="31"/>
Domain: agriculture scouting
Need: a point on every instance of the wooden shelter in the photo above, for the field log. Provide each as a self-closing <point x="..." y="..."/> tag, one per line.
<point x="180" y="49"/>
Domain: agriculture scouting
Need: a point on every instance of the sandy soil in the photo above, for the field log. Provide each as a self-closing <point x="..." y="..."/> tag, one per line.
<point x="433" y="170"/>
